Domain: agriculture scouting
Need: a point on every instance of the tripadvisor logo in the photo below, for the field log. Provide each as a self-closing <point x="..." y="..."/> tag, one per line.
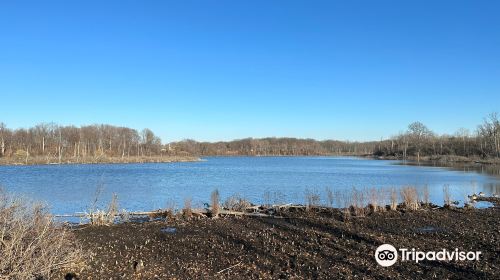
<point x="387" y="255"/>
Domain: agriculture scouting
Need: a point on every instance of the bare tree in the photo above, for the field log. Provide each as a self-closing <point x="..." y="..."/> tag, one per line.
<point x="463" y="134"/>
<point x="3" y="129"/>
<point x="418" y="134"/>
<point x="490" y="132"/>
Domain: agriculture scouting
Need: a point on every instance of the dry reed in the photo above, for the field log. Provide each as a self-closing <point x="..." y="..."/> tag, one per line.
<point x="313" y="199"/>
<point x="358" y="205"/>
<point x="236" y="203"/>
<point x="99" y="217"/>
<point x="329" y="197"/>
<point x="394" y="199"/>
<point x="426" y="195"/>
<point x="214" y="200"/>
<point x="409" y="196"/>
<point x="446" y="195"/>
<point x="374" y="197"/>
<point x="187" y="211"/>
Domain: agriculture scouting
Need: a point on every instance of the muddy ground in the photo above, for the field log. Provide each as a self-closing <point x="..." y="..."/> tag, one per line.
<point x="319" y="244"/>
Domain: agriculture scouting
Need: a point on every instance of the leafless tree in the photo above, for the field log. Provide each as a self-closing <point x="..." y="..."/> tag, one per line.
<point x="418" y="134"/>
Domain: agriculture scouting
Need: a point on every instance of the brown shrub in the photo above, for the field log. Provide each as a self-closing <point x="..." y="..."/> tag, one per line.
<point x="32" y="245"/>
<point x="236" y="203"/>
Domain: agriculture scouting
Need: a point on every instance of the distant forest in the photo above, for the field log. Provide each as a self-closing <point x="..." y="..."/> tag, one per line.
<point x="52" y="140"/>
<point x="416" y="141"/>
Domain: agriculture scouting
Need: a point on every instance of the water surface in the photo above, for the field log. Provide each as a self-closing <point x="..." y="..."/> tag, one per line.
<point x="147" y="186"/>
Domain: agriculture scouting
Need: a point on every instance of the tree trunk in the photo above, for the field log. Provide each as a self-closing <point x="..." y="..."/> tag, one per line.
<point x="123" y="150"/>
<point x="2" y="148"/>
<point x="60" y="154"/>
<point x="27" y="154"/>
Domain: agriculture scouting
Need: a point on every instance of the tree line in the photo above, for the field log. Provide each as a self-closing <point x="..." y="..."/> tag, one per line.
<point x="418" y="140"/>
<point x="273" y="146"/>
<point x="52" y="140"/>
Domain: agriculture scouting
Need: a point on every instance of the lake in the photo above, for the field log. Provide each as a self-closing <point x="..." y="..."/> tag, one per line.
<point x="148" y="186"/>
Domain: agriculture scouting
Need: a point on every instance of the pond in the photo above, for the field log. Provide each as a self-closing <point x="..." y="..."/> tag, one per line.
<point x="72" y="188"/>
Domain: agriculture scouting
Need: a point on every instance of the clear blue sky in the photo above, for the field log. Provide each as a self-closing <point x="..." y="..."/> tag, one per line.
<point x="219" y="70"/>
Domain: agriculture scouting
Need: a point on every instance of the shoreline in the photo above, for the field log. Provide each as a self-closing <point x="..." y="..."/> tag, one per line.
<point x="443" y="161"/>
<point x="489" y="166"/>
<point x="439" y="159"/>
<point x="315" y="243"/>
<point x="97" y="160"/>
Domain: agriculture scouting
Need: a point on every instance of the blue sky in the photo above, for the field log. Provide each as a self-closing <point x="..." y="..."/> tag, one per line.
<point x="219" y="70"/>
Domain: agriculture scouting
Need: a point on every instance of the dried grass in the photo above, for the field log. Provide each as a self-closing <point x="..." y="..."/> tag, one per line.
<point x="446" y="195"/>
<point x="358" y="202"/>
<point x="313" y="199"/>
<point x="170" y="208"/>
<point x="267" y="199"/>
<point x="214" y="201"/>
<point x="236" y="203"/>
<point x="374" y="198"/>
<point x="99" y="217"/>
<point x="394" y="199"/>
<point x="187" y="211"/>
<point x="425" y="193"/>
<point x="344" y="201"/>
<point x="32" y="245"/>
<point x="329" y="197"/>
<point x="409" y="196"/>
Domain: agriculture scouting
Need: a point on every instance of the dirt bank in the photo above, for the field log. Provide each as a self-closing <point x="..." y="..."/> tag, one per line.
<point x="300" y="245"/>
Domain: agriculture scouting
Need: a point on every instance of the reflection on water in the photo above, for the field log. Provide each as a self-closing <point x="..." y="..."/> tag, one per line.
<point x="486" y="169"/>
<point x="71" y="188"/>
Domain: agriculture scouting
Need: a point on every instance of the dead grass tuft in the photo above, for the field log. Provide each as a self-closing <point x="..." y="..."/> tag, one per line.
<point x="409" y="196"/>
<point x="214" y="201"/>
<point x="358" y="203"/>
<point x="32" y="245"/>
<point x="99" y="217"/>
<point x="374" y="198"/>
<point x="394" y="199"/>
<point x="330" y="197"/>
<point x="446" y="195"/>
<point x="187" y="211"/>
<point x="313" y="199"/>
<point x="236" y="203"/>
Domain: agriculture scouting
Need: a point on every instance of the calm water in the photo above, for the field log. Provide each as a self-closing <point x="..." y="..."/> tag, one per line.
<point x="71" y="188"/>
